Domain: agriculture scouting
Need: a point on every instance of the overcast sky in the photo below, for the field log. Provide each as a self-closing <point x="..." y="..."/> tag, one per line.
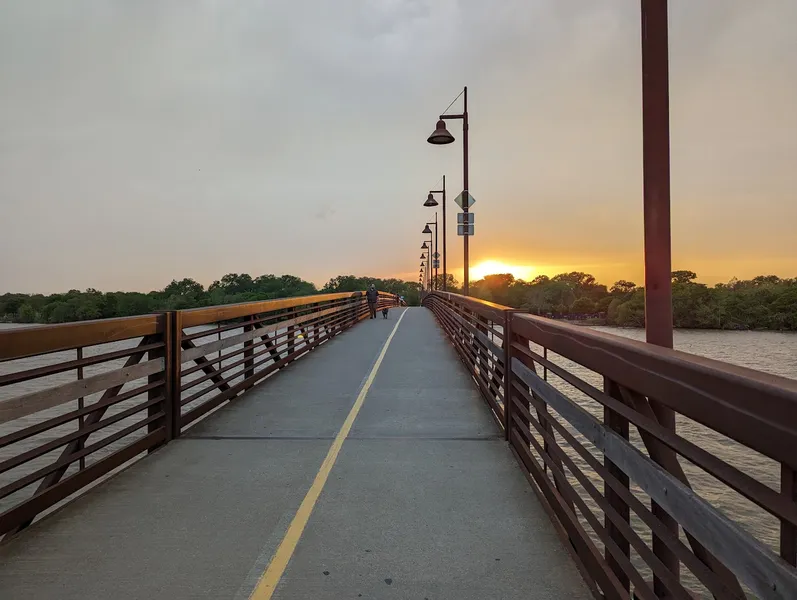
<point x="147" y="140"/>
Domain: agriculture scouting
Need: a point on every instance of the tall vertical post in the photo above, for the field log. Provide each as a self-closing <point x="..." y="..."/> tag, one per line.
<point x="436" y="254"/>
<point x="466" y="268"/>
<point x="445" y="254"/>
<point x="658" y="267"/>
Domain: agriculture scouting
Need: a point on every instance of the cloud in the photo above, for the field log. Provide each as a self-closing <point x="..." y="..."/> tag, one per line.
<point x="141" y="141"/>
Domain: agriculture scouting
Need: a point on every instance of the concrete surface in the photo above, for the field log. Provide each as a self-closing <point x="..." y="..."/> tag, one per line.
<point x="425" y="500"/>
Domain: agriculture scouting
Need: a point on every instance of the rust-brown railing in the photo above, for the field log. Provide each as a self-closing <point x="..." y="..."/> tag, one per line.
<point x="80" y="400"/>
<point x="579" y="408"/>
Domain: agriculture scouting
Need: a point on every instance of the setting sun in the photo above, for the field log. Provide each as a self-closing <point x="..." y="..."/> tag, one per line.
<point x="493" y="267"/>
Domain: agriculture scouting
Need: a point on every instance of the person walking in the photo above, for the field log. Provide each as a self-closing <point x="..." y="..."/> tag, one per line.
<point x="372" y="296"/>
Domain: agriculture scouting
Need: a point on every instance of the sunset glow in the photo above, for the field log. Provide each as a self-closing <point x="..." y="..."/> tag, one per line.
<point x="494" y="267"/>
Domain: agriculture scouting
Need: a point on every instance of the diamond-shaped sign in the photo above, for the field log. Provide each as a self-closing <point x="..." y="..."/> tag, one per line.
<point x="465" y="200"/>
<point x="436" y="255"/>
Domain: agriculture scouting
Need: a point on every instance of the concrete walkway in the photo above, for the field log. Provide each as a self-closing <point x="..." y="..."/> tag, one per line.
<point x="424" y="500"/>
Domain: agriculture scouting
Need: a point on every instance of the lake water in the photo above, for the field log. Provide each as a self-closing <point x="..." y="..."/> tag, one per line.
<point x="771" y="352"/>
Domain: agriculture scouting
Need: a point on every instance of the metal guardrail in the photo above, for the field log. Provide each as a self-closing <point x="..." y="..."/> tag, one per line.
<point x="79" y="400"/>
<point x="571" y="433"/>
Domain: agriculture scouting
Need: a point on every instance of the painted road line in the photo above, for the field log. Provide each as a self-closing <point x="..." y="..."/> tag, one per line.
<point x="271" y="577"/>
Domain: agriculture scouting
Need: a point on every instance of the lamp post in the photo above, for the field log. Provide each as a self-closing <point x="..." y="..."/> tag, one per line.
<point x="656" y="183"/>
<point x="435" y="254"/>
<point x="442" y="136"/>
<point x="430" y="201"/>
<point x="424" y="246"/>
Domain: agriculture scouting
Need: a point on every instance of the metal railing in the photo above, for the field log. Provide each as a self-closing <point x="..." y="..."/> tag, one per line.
<point x="632" y="497"/>
<point x="81" y="400"/>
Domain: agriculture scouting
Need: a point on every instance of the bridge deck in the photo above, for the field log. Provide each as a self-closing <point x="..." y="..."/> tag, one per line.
<point x="424" y="499"/>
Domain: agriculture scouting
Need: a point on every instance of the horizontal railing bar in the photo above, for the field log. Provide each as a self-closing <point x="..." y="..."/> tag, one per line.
<point x="267" y="318"/>
<point x="20" y="459"/>
<point x="684" y="554"/>
<point x="299" y="351"/>
<point x="41" y="427"/>
<point x="640" y="586"/>
<point x="21" y="406"/>
<point x="204" y="349"/>
<point x="583" y="544"/>
<point x="751" y="407"/>
<point x="68" y="460"/>
<point x="269" y="345"/>
<point x="750" y="560"/>
<point x="44" y="339"/>
<point x="203" y="316"/>
<point x="197" y="412"/>
<point x="750" y="488"/>
<point x="27" y="375"/>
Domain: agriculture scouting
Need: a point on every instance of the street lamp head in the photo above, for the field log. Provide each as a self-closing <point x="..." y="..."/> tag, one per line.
<point x="423" y="256"/>
<point x="441" y="135"/>
<point x="426" y="230"/>
<point x="423" y="264"/>
<point x="430" y="201"/>
<point x="424" y="246"/>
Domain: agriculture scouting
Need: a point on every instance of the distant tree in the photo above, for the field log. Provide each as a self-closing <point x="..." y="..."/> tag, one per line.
<point x="582" y="306"/>
<point x="26" y="314"/>
<point x="452" y="283"/>
<point x="622" y="287"/>
<point x="575" y="278"/>
<point x="183" y="287"/>
<point x="683" y="276"/>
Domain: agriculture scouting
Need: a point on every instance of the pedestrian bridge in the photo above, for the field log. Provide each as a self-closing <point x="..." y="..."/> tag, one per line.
<point x="297" y="449"/>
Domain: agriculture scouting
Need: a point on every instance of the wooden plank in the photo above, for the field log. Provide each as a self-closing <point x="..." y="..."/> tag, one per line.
<point x="216" y="314"/>
<point x="70" y="365"/>
<point x="203" y="362"/>
<point x="42" y="339"/>
<point x="750" y="488"/>
<point x="204" y="349"/>
<point x="756" y="565"/>
<point x="754" y="408"/>
<point x="666" y="457"/>
<point x="28" y="404"/>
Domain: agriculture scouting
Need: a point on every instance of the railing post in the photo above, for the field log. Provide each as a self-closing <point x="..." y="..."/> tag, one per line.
<point x="249" y="362"/>
<point x="174" y="372"/>
<point x="291" y="342"/>
<point x="162" y="391"/>
<point x="619" y="425"/>
<point x="507" y="373"/>
<point x="788" y="532"/>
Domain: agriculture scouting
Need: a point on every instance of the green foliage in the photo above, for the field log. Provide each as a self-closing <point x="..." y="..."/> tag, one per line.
<point x="764" y="302"/>
<point x="350" y="283"/>
<point x="75" y="305"/>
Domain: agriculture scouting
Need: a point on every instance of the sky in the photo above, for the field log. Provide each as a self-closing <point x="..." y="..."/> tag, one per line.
<point x="145" y="141"/>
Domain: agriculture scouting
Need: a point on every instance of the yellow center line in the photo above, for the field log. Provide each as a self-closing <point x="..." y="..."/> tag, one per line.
<point x="268" y="582"/>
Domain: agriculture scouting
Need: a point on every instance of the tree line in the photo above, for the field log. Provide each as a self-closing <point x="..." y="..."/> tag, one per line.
<point x="764" y="302"/>
<point x="76" y="305"/>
